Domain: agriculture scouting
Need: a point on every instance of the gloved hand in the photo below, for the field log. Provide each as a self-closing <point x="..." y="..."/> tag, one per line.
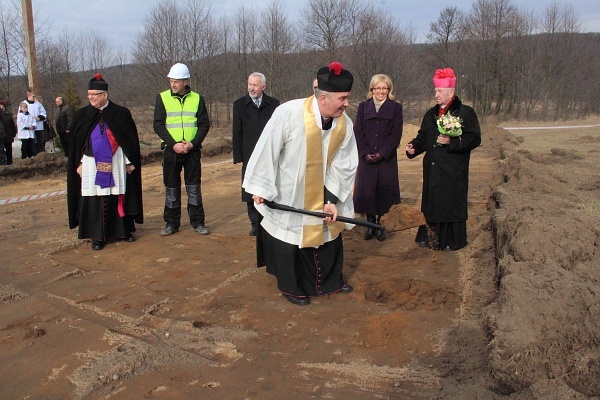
<point x="377" y="158"/>
<point x="369" y="159"/>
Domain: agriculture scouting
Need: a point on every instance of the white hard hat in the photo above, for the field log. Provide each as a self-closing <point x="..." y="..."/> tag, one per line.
<point x="179" y="71"/>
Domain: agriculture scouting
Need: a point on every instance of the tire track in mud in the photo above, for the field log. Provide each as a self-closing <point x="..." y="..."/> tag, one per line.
<point x="148" y="343"/>
<point x="141" y="344"/>
<point x="369" y="377"/>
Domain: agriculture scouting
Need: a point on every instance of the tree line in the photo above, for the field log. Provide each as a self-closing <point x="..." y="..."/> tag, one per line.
<point x="510" y="63"/>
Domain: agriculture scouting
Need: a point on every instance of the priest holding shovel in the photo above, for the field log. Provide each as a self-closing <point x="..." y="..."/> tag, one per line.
<point x="306" y="159"/>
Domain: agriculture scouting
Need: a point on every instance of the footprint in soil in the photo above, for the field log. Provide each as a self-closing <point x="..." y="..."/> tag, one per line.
<point x="412" y="294"/>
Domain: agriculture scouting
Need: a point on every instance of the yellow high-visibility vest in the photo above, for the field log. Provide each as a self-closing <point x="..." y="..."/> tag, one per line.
<point x="181" y="119"/>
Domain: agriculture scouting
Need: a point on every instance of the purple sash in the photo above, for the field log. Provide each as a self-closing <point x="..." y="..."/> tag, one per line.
<point x="103" y="155"/>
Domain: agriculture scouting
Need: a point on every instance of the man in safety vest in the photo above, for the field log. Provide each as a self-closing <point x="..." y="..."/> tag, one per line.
<point x="181" y="121"/>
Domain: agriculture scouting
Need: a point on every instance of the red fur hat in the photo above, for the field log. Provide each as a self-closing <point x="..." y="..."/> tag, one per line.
<point x="444" y="78"/>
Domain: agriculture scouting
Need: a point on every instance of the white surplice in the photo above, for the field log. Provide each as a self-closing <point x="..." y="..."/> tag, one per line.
<point x="276" y="171"/>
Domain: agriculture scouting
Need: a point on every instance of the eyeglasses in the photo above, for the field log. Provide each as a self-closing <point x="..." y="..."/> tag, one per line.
<point x="95" y="94"/>
<point x="380" y="89"/>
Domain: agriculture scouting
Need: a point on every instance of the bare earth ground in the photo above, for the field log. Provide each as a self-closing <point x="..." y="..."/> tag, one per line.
<point x="190" y="317"/>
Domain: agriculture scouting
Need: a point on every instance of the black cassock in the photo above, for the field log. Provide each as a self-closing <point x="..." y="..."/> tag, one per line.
<point x="97" y="216"/>
<point x="446" y="177"/>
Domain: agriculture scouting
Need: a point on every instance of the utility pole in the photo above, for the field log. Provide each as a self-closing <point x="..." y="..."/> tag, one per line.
<point x="32" y="72"/>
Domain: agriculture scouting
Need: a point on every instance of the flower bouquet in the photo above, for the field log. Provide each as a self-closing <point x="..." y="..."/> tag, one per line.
<point x="449" y="125"/>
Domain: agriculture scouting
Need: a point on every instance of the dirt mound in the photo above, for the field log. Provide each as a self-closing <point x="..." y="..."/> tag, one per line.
<point x="543" y="326"/>
<point x="402" y="216"/>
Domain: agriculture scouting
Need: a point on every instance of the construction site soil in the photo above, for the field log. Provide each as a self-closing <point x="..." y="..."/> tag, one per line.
<point x="512" y="315"/>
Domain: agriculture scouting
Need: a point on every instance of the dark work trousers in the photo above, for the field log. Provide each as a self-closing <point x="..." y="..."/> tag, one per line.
<point x="28" y="148"/>
<point x="64" y="143"/>
<point x="172" y="165"/>
<point x="8" y="149"/>
<point x="2" y="151"/>
<point x="40" y="141"/>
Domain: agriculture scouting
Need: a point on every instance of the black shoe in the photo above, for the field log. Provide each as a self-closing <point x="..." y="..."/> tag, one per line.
<point x="253" y="230"/>
<point x="381" y="235"/>
<point x="129" y="238"/>
<point x="370" y="231"/>
<point x="346" y="288"/>
<point x="423" y="244"/>
<point x="448" y="248"/>
<point x="299" y="301"/>
<point x="97" y="245"/>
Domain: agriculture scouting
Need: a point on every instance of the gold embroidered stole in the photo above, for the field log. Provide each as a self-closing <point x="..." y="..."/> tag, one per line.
<point x="312" y="227"/>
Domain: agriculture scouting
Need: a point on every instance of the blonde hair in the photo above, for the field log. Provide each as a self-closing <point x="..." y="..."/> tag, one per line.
<point x="381" y="78"/>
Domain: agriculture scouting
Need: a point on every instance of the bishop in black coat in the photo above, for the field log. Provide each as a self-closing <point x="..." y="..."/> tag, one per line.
<point x="446" y="177"/>
<point x="98" y="218"/>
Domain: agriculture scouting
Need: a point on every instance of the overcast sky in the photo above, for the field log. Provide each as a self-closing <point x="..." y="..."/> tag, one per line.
<point x="120" y="21"/>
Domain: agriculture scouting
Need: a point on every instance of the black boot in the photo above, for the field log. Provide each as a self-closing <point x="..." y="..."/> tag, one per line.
<point x="380" y="232"/>
<point x="370" y="231"/>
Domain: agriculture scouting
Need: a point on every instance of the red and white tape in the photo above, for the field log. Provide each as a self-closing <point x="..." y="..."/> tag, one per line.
<point x="32" y="197"/>
<point x="60" y="192"/>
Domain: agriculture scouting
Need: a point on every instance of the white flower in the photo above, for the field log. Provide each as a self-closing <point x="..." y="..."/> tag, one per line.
<point x="449" y="125"/>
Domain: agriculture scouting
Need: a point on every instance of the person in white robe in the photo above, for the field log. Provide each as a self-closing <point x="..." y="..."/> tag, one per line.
<point x="306" y="158"/>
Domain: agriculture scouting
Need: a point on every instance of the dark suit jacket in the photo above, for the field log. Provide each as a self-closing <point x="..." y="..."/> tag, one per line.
<point x="248" y="124"/>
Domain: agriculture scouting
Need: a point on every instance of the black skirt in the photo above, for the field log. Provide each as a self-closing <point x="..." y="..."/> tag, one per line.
<point x="99" y="219"/>
<point x="442" y="235"/>
<point x="302" y="272"/>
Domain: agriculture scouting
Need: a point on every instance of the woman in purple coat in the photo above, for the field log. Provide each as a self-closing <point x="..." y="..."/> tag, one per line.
<point x="378" y="130"/>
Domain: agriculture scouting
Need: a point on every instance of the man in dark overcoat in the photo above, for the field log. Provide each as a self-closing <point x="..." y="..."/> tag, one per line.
<point x="63" y="123"/>
<point x="250" y="115"/>
<point x="104" y="180"/>
<point x="445" y="167"/>
<point x="10" y="131"/>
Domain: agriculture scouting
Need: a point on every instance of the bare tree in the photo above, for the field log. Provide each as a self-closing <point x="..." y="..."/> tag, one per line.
<point x="225" y="68"/>
<point x="201" y="45"/>
<point x="376" y="43"/>
<point x="558" y="24"/>
<point x="98" y="51"/>
<point x="51" y="68"/>
<point x="197" y="38"/>
<point x="277" y="41"/>
<point x="521" y="60"/>
<point x="486" y="27"/>
<point x="445" y="35"/>
<point x="12" y="52"/>
<point x="66" y="45"/>
<point x="244" y="42"/>
<point x="508" y="62"/>
<point x="328" y="25"/>
<point x="158" y="47"/>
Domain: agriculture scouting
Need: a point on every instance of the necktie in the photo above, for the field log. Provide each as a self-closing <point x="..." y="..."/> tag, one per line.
<point x="257" y="102"/>
<point x="326" y="123"/>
